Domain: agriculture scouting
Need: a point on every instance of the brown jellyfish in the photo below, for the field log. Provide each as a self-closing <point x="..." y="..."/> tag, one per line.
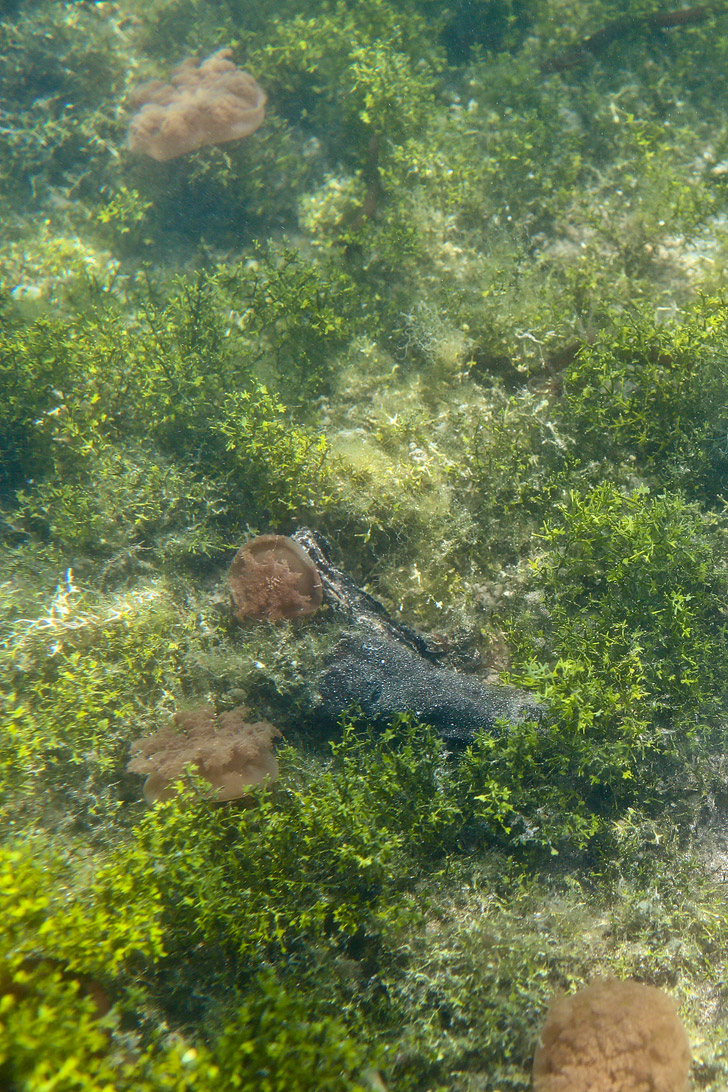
<point x="209" y="103"/>
<point x="612" y="1036"/>
<point x="272" y="577"/>
<point x="230" y="752"/>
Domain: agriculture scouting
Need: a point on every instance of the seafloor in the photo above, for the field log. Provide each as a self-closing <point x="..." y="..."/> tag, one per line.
<point x="458" y="306"/>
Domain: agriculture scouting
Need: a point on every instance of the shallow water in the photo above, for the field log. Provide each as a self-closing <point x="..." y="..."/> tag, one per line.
<point x="439" y="294"/>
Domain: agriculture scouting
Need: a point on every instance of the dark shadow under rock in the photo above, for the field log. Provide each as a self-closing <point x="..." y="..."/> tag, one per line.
<point x="383" y="677"/>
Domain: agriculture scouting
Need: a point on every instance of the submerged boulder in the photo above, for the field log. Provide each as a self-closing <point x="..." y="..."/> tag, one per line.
<point x="383" y="676"/>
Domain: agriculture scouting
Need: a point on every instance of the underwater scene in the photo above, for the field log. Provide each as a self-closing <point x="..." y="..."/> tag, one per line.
<point x="363" y="546"/>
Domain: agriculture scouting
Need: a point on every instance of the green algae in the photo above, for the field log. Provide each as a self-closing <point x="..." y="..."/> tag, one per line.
<point x="460" y="310"/>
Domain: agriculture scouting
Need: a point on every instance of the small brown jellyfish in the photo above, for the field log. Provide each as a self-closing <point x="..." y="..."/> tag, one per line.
<point x="232" y="753"/>
<point x="612" y="1036"/>
<point x="209" y="103"/>
<point x="272" y="577"/>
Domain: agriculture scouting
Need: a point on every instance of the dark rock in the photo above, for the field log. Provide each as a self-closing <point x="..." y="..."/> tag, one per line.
<point x="383" y="677"/>
<point x="385" y="667"/>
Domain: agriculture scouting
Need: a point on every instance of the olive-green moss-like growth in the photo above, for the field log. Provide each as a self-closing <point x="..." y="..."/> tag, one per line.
<point x="656" y="396"/>
<point x="127" y="505"/>
<point x="34" y="363"/>
<point x="282" y="1040"/>
<point x="124" y="219"/>
<point x="92" y="397"/>
<point x="78" y="679"/>
<point x="321" y="863"/>
<point x="67" y="956"/>
<point x="351" y="70"/>
<point x="60" y="74"/>
<point x="294" y="315"/>
<point x="63" y="955"/>
<point x="327" y="857"/>
<point x="344" y="920"/>
<point x="632" y="658"/>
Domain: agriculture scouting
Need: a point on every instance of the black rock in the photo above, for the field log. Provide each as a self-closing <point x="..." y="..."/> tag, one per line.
<point x="383" y="677"/>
